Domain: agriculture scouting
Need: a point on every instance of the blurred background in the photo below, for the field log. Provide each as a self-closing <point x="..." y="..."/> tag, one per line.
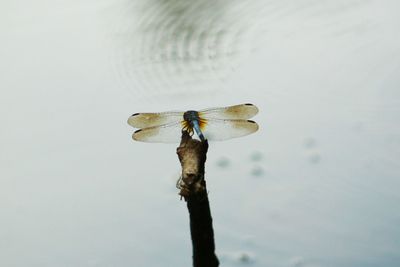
<point x="317" y="185"/>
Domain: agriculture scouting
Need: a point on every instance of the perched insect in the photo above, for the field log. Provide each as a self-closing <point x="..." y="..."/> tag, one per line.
<point x="213" y="124"/>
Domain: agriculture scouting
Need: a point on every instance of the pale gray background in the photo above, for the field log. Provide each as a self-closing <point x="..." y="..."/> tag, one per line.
<point x="317" y="185"/>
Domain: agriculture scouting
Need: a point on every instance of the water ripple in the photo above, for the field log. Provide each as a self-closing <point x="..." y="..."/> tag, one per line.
<point x="168" y="47"/>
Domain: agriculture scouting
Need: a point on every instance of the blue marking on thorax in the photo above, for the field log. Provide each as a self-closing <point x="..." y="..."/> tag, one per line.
<point x="196" y="127"/>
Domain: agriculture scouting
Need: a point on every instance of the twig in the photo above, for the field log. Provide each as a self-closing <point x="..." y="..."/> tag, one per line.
<point x="192" y="155"/>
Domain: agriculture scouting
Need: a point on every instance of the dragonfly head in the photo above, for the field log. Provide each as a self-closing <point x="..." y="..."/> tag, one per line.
<point x="190" y="116"/>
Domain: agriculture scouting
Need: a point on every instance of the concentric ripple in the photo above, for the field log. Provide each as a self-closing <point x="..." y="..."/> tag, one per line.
<point x="169" y="47"/>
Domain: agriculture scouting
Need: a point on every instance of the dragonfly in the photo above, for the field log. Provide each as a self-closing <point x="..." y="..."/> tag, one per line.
<point x="215" y="124"/>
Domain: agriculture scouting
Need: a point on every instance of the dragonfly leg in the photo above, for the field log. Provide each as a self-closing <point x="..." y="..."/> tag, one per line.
<point x="196" y="127"/>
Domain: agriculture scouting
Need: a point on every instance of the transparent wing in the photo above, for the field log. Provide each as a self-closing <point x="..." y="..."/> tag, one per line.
<point x="144" y="120"/>
<point x="237" y="112"/>
<point x="168" y="133"/>
<point x="218" y="130"/>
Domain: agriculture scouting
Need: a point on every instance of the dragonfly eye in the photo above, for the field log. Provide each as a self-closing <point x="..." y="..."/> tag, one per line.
<point x="191" y="115"/>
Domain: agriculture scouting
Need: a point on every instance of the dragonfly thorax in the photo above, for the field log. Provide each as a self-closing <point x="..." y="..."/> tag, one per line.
<point x="193" y="121"/>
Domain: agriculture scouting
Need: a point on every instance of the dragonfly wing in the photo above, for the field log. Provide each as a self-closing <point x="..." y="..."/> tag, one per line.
<point x="145" y="120"/>
<point x="218" y="130"/>
<point x="237" y="112"/>
<point x="167" y="133"/>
